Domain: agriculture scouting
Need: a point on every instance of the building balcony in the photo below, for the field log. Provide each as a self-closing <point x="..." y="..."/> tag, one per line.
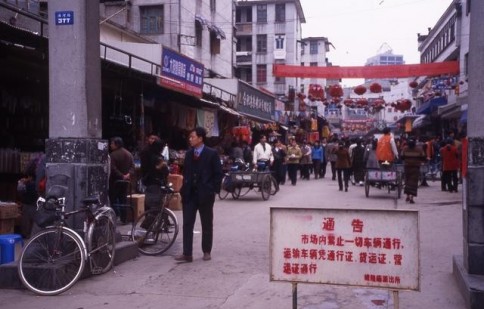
<point x="244" y="28"/>
<point x="243" y="57"/>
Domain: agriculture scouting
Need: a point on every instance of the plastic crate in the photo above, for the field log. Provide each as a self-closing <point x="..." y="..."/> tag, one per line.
<point x="9" y="211"/>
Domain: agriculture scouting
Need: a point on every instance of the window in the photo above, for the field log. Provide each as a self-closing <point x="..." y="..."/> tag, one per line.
<point x="313" y="48"/>
<point x="214" y="43"/>
<point x="262" y="43"/>
<point x="261" y="73"/>
<point x="313" y="64"/>
<point x="280" y="38"/>
<point x="468" y="7"/>
<point x="212" y="5"/>
<point x="466" y="64"/>
<point x="262" y="13"/>
<point x="280" y="13"/>
<point x="152" y="19"/>
<point x="198" y="33"/>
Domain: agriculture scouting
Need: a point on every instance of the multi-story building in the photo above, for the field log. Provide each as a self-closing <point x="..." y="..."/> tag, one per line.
<point x="443" y="100"/>
<point x="268" y="33"/>
<point x="313" y="54"/>
<point x="201" y="30"/>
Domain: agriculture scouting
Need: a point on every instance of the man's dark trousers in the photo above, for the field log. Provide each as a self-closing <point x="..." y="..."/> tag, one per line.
<point x="205" y="209"/>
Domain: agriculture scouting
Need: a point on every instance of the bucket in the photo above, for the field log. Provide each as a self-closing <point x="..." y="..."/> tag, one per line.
<point x="8" y="244"/>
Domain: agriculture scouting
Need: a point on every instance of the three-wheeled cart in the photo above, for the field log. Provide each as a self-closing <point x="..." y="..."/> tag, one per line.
<point x="387" y="177"/>
<point x="239" y="183"/>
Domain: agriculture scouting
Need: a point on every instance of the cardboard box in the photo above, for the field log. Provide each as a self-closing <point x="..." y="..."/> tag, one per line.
<point x="9" y="211"/>
<point x="6" y="226"/>
<point x="138" y="203"/>
<point x="176" y="181"/>
<point x="175" y="202"/>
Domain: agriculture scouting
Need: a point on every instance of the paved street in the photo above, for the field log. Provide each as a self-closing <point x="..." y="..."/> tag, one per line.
<point x="238" y="274"/>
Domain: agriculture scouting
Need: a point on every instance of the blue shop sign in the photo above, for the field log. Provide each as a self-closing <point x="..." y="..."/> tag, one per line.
<point x="64" y="18"/>
<point x="182" y="73"/>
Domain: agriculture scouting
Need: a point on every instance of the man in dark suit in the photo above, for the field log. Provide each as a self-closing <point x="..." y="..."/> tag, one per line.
<point x="202" y="179"/>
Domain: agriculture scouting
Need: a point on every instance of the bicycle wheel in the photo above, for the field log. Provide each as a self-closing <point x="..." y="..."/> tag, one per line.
<point x="155" y="232"/>
<point x="52" y="261"/>
<point x="101" y="242"/>
<point x="274" y="185"/>
<point x="265" y="187"/>
<point x="223" y="192"/>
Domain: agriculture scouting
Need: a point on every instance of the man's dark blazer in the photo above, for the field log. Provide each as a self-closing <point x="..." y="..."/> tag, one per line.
<point x="210" y="179"/>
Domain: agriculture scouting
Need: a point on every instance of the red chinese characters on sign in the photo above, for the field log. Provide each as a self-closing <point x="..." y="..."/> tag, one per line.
<point x="327" y="246"/>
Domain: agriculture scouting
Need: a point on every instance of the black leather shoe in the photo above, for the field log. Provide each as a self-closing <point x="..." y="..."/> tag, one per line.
<point x="207" y="256"/>
<point x="184" y="258"/>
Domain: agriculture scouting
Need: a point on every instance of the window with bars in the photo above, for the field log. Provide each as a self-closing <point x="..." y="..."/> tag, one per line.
<point x="262" y="13"/>
<point x="280" y="13"/>
<point x="152" y="19"/>
<point x="261" y="73"/>
<point x="198" y="33"/>
<point x="262" y="43"/>
<point x="280" y="41"/>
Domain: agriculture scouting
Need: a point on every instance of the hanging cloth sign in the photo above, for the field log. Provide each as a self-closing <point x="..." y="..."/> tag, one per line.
<point x="379" y="71"/>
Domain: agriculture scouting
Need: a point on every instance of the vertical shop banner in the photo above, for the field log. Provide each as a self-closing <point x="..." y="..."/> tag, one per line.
<point x="253" y="102"/>
<point x="369" y="248"/>
<point x="181" y="73"/>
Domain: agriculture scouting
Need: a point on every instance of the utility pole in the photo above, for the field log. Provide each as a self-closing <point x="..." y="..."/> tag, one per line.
<point x="76" y="156"/>
<point x="469" y="270"/>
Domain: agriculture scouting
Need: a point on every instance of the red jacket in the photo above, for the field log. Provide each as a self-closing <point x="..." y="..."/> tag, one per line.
<point x="450" y="158"/>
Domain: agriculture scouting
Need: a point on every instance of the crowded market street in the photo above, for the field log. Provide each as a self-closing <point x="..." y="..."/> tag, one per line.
<point x="238" y="274"/>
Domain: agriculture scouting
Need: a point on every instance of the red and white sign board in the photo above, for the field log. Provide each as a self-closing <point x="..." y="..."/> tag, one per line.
<point x="370" y="248"/>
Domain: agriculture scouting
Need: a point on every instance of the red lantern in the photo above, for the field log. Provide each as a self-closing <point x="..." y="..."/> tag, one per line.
<point x="359" y="90"/>
<point x="335" y="91"/>
<point x="348" y="101"/>
<point x="362" y="102"/>
<point x="379" y="102"/>
<point x="413" y="84"/>
<point x="375" y="88"/>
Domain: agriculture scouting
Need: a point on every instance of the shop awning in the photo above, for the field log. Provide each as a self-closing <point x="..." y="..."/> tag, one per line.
<point x="421" y="121"/>
<point x="449" y="111"/>
<point x="256" y="118"/>
<point x="428" y="107"/>
<point x="201" y="20"/>
<point x="217" y="30"/>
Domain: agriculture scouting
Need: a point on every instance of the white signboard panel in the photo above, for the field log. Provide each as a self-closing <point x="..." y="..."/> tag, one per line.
<point x="370" y="248"/>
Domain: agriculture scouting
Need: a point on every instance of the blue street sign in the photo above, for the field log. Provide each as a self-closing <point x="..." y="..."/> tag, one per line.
<point x="64" y="18"/>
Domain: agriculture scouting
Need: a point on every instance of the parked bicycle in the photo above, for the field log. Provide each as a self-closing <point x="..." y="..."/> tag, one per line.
<point x="156" y="229"/>
<point x="54" y="258"/>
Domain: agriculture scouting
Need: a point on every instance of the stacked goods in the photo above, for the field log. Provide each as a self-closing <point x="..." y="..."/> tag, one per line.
<point x="8" y="212"/>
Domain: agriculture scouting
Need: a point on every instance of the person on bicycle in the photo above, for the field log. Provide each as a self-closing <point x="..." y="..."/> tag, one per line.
<point x="263" y="156"/>
<point x="386" y="150"/>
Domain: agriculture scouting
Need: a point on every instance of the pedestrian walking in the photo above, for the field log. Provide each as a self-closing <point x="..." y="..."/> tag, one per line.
<point x="450" y="166"/>
<point x="316" y="156"/>
<point x="305" y="161"/>
<point x="121" y="170"/>
<point x="343" y="165"/>
<point x="358" y="162"/>
<point x="412" y="157"/>
<point x="202" y="179"/>
<point x="331" y="155"/>
<point x="324" y="160"/>
<point x="294" y="154"/>
<point x="279" y="154"/>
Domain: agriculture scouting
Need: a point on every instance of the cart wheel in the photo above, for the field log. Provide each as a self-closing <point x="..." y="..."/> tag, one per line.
<point x="265" y="187"/>
<point x="399" y="186"/>
<point x="236" y="193"/>
<point x="367" y="188"/>
<point x="223" y="192"/>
